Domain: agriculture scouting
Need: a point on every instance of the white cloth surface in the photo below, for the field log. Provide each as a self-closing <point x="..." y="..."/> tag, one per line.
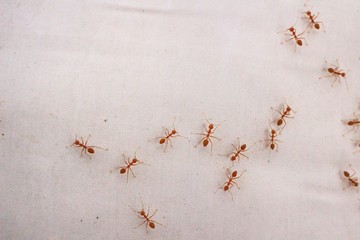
<point x="120" y="70"/>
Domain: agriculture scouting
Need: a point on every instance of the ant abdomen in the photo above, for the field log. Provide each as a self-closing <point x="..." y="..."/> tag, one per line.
<point x="91" y="150"/>
<point x="122" y="171"/>
<point x="317" y="26"/>
<point x="162" y="141"/>
<point x="299" y="42"/>
<point x="272" y="146"/>
<point x="233" y="158"/>
<point x="346" y="174"/>
<point x="152" y="225"/>
<point x="205" y="142"/>
<point x="279" y="122"/>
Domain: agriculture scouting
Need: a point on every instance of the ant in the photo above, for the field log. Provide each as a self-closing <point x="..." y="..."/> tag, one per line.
<point x="85" y="148"/>
<point x="353" y="181"/>
<point x="146" y="217"/>
<point x="239" y="150"/>
<point x="295" y="36"/>
<point x="169" y="134"/>
<point x="313" y="23"/>
<point x="208" y="135"/>
<point x="336" y="73"/>
<point x="272" y="141"/>
<point x="284" y="114"/>
<point x="231" y="181"/>
<point x="126" y="169"/>
<point x="354" y="123"/>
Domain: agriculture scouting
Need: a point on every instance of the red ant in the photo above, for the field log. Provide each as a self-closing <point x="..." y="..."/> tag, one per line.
<point x="231" y="181"/>
<point x="85" y="148"/>
<point x="239" y="150"/>
<point x="272" y="141"/>
<point x="353" y="182"/>
<point x="208" y="135"/>
<point x="336" y="73"/>
<point x="354" y="123"/>
<point x="129" y="164"/>
<point x="284" y="114"/>
<point x="295" y="36"/>
<point x="169" y="134"/>
<point x="312" y="22"/>
<point x="146" y="217"/>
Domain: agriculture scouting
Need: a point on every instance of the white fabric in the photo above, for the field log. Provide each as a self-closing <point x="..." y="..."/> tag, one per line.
<point x="120" y="70"/>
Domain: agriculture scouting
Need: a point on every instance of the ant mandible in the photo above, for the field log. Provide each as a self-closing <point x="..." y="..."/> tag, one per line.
<point x="169" y="134"/>
<point x="313" y="23"/>
<point x="147" y="217"/>
<point x="129" y="164"/>
<point x="284" y="114"/>
<point x="85" y="148"/>
<point x="208" y="135"/>
<point x="239" y="150"/>
<point x="353" y="181"/>
<point x="231" y="181"/>
<point x="295" y="36"/>
<point x="336" y="73"/>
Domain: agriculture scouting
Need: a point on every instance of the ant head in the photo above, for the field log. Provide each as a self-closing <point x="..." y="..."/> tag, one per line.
<point x="77" y="142"/>
<point x="288" y="108"/>
<point x="226" y="187"/>
<point x="279" y="122"/>
<point x="233" y="158"/>
<point x="152" y="225"/>
<point x="205" y="142"/>
<point x="299" y="42"/>
<point x="234" y="174"/>
<point x="272" y="146"/>
<point x="211" y="126"/>
<point x="162" y="141"/>
<point x="292" y="29"/>
<point x="343" y="74"/>
<point x="356" y="184"/>
<point x="273" y="131"/>
<point x="135" y="160"/>
<point x="350" y="123"/>
<point x="243" y="147"/>
<point x="122" y="171"/>
<point x="90" y="150"/>
<point x="308" y="13"/>
<point x="331" y="70"/>
<point x="317" y="26"/>
<point x="142" y="213"/>
<point x="173" y="131"/>
<point x="346" y="174"/>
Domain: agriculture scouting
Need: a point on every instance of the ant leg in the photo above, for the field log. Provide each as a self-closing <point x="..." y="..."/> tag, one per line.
<point x="132" y="172"/>
<point x="276" y="110"/>
<point x="236" y="185"/>
<point x="99" y="148"/>
<point x="114" y="169"/>
<point x="211" y="146"/>
<point x="171" y="145"/>
<point x="167" y="142"/>
<point x="127" y="176"/>
<point x="304" y="40"/>
<point x="244" y="156"/>
<point x="200" y="141"/>
<point x="158" y="223"/>
<point x="133" y="209"/>
<point x="140" y="224"/>
<point x="214" y="137"/>
<point x="153" y="214"/>
<point x="326" y="76"/>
